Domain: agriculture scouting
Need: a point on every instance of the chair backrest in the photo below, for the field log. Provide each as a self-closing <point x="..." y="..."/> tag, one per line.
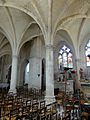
<point x="28" y="102"/>
<point x="14" y="113"/>
<point x="54" y="106"/>
<point x="67" y="115"/>
<point x="48" y="108"/>
<point x="35" y="107"/>
<point x="42" y="104"/>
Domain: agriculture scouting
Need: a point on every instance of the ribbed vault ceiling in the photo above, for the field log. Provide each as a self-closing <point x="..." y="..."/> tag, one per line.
<point x="21" y="19"/>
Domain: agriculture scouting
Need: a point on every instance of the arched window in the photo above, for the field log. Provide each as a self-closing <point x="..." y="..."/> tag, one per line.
<point x="27" y="68"/>
<point x="88" y="53"/>
<point x="26" y="79"/>
<point x="65" y="58"/>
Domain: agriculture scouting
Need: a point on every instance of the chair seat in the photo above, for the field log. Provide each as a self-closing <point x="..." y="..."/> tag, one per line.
<point x="7" y="118"/>
<point x="76" y="106"/>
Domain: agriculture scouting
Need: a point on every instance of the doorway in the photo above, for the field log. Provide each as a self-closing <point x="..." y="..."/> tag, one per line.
<point x="43" y="80"/>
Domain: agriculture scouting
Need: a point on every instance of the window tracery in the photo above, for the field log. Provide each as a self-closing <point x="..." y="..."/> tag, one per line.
<point x="65" y="58"/>
<point x="87" y="53"/>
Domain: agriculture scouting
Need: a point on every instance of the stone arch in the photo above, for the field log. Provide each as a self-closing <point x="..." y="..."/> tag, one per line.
<point x="82" y="55"/>
<point x="33" y="51"/>
<point x="62" y="35"/>
<point x="23" y="59"/>
<point x="31" y="37"/>
<point x="62" y="38"/>
<point x="5" y="53"/>
<point x="67" y="44"/>
<point x="22" y="66"/>
<point x="5" y="63"/>
<point x="4" y="33"/>
<point x="82" y="50"/>
<point x="5" y="56"/>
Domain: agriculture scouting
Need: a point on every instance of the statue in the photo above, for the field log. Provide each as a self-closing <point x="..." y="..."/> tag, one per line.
<point x="81" y="73"/>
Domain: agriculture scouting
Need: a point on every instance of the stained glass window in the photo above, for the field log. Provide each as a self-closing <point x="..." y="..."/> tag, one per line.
<point x="88" y="53"/>
<point x="65" y="57"/>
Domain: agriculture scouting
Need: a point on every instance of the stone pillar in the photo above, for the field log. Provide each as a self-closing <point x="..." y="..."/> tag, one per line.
<point x="14" y="74"/>
<point x="2" y="68"/>
<point x="49" y="75"/>
<point x="35" y="73"/>
<point x="78" y="68"/>
<point x="77" y="82"/>
<point x="35" y="64"/>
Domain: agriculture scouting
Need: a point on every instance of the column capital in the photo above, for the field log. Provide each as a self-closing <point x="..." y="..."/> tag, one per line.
<point x="49" y="46"/>
<point x="14" y="56"/>
<point x="77" y="59"/>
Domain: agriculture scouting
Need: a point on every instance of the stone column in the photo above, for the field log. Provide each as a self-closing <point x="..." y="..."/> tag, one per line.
<point x="14" y="74"/>
<point x="35" y="73"/>
<point x="35" y="64"/>
<point x="49" y="75"/>
<point x="78" y="68"/>
<point x="2" y="68"/>
<point x="77" y="84"/>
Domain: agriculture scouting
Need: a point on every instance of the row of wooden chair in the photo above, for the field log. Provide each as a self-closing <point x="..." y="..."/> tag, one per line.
<point x="14" y="106"/>
<point x="30" y="92"/>
<point x="24" y="92"/>
<point x="36" y="111"/>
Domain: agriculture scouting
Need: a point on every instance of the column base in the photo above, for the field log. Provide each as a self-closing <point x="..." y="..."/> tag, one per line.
<point x="12" y="90"/>
<point x="49" y="99"/>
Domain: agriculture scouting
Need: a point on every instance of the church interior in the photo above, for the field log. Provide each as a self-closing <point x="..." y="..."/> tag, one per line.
<point x="44" y="59"/>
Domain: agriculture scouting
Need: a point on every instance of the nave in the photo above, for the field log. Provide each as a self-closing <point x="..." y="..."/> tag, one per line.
<point x="42" y="43"/>
<point x="30" y="104"/>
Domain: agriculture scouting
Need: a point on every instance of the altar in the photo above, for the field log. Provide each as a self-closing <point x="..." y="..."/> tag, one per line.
<point x="61" y="85"/>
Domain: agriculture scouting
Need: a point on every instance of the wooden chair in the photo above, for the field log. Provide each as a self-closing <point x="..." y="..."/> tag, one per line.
<point x="13" y="115"/>
<point x="42" y="113"/>
<point x="28" y="102"/>
<point x="54" y="111"/>
<point x="67" y="115"/>
<point x="34" y="111"/>
<point x="48" y="112"/>
<point x="42" y="110"/>
<point x="24" y="112"/>
<point x="7" y="108"/>
<point x="29" y="108"/>
<point x="19" y="102"/>
<point x="76" y="109"/>
<point x="42" y="104"/>
<point x="70" y="105"/>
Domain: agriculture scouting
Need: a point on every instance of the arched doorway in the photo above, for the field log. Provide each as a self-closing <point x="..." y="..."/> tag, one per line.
<point x="23" y="72"/>
<point x="5" y="68"/>
<point x="8" y="76"/>
<point x="43" y="81"/>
